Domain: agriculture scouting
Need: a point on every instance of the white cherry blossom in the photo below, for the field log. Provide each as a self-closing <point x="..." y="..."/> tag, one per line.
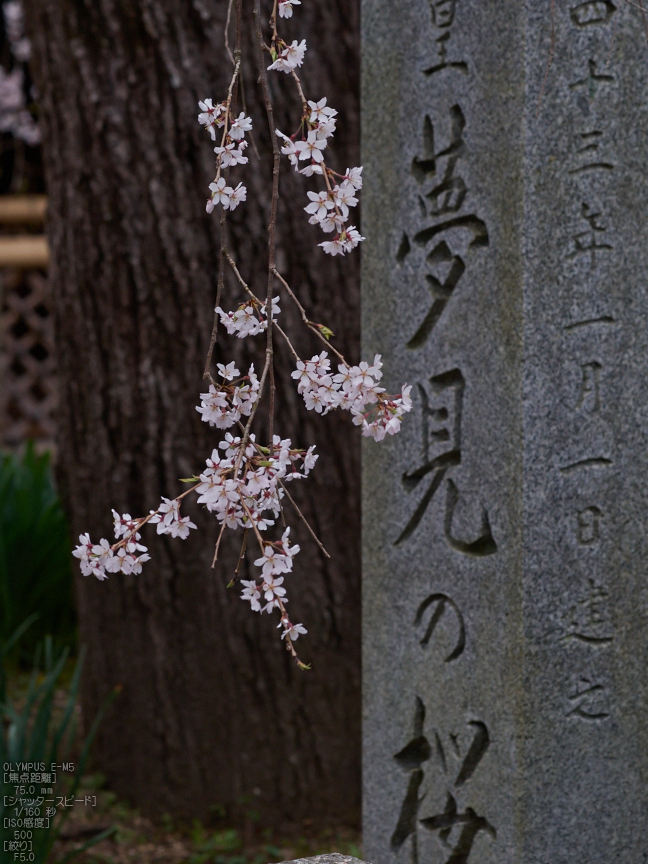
<point x="319" y="111"/>
<point x="291" y="630"/>
<point x="220" y="193"/>
<point x="289" y="148"/>
<point x="344" y="197"/>
<point x="311" y="148"/>
<point x="231" y="154"/>
<point x="252" y="593"/>
<point x="320" y="204"/>
<point x="311" y="169"/>
<point x="354" y="176"/>
<point x="229" y="372"/>
<point x="285" y="7"/>
<point x="326" y="128"/>
<point x="236" y="196"/>
<point x="290" y="58"/>
<point x="240" y="126"/>
<point x="333" y="247"/>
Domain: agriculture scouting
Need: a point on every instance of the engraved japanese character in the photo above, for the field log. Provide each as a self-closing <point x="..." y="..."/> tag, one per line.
<point x="590" y="621"/>
<point x="593" y="80"/>
<point x="471" y="824"/>
<point x="411" y="759"/>
<point x="589" y="701"/>
<point x="589" y="399"/>
<point x="443" y="12"/>
<point x="588" y="154"/>
<point x="438" y="603"/>
<point x="588" y="530"/>
<point x="593" y="12"/>
<point x="445" y="199"/>
<point x="585" y="242"/>
<point x="441" y="449"/>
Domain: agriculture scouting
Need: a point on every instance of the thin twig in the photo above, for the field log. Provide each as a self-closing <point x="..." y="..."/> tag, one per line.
<point x="228" y="105"/>
<point x="248" y="425"/>
<point x="256" y="299"/>
<point x="310" y="324"/>
<point x="227" y="24"/>
<point x="219" y="292"/>
<point x="231" y="99"/>
<point x="261" y="541"/>
<point x="643" y="16"/>
<point x="220" y="536"/>
<point x="237" y="52"/>
<point x="263" y="79"/>
<point x="241" y="554"/>
<point x="303" y="518"/>
<point x="273" y="22"/>
<point x="301" y="93"/>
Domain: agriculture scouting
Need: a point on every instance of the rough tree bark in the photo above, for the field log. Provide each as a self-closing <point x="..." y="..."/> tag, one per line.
<point x="212" y="710"/>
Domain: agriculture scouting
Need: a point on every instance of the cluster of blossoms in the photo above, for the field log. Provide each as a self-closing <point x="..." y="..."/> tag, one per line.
<point x="243" y="501"/>
<point x="239" y="487"/>
<point x="168" y="519"/>
<point x="101" y="558"/>
<point x="328" y="208"/>
<point x="229" y="153"/>
<point x="352" y="389"/>
<point x="245" y="321"/>
<point x="244" y="484"/>
<point x="224" y="406"/>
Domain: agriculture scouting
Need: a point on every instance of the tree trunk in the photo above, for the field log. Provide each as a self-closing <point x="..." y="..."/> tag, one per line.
<point x="212" y="711"/>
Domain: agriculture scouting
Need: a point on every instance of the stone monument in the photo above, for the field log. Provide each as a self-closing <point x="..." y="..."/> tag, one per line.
<point x="505" y="276"/>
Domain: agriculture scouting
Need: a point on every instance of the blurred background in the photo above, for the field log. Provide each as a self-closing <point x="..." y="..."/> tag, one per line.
<point x="194" y="736"/>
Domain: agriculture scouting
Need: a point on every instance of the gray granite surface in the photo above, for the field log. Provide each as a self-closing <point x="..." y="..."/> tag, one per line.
<point x="505" y="276"/>
<point x="330" y="858"/>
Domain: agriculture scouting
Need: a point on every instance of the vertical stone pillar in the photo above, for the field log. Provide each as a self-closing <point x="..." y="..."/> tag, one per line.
<point x="505" y="276"/>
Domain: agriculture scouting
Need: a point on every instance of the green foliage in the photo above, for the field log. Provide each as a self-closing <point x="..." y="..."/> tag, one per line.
<point x="35" y="552"/>
<point x="226" y="847"/>
<point x="37" y="730"/>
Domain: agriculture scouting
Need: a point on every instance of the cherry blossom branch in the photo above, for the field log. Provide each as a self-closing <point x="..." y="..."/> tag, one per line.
<point x="263" y="79"/>
<point x="227" y="24"/>
<point x="219" y="292"/>
<point x="250" y="479"/>
<point x="254" y="297"/>
<point x="236" y="60"/>
<point x="316" y="328"/>
<point x="294" y="504"/>
<point x="144" y="519"/>
<point x="304" y="101"/>
<point x="220" y="536"/>
<point x="240" y="560"/>
<point x="248" y="425"/>
<point x="276" y="598"/>
<point x="273" y="24"/>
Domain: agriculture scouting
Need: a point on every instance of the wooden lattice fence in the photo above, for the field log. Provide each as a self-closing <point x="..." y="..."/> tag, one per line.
<point x="28" y="391"/>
